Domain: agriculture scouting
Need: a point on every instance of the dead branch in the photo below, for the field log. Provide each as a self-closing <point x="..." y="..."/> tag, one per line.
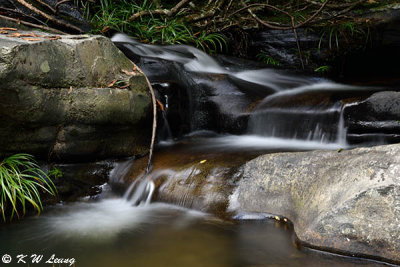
<point x="281" y="27"/>
<point x="298" y="44"/>
<point x="154" y="129"/>
<point x="50" y="18"/>
<point x="46" y="5"/>
<point x="334" y="6"/>
<point x="32" y="25"/>
<point x="146" y="13"/>
<point x="178" y="7"/>
<point x="60" y="3"/>
<point x="173" y="11"/>
<point x="19" y="13"/>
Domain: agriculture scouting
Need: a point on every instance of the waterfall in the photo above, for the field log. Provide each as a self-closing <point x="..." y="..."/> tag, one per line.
<point x="342" y="130"/>
<point x="270" y="107"/>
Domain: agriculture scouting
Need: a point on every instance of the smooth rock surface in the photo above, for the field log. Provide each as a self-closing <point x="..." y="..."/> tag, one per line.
<point x="55" y="101"/>
<point x="346" y="202"/>
<point x="374" y="119"/>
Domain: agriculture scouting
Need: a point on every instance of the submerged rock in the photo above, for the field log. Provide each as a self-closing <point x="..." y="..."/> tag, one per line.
<point x="193" y="178"/>
<point x="346" y="202"/>
<point x="56" y="101"/>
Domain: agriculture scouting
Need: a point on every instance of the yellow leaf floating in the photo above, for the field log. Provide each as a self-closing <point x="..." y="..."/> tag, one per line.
<point x="203" y="161"/>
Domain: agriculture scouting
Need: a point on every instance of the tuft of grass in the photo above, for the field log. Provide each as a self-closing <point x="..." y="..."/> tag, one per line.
<point x="268" y="59"/>
<point x="340" y="31"/>
<point x="55" y="173"/>
<point x="323" y="69"/>
<point x="108" y="14"/>
<point x="21" y="182"/>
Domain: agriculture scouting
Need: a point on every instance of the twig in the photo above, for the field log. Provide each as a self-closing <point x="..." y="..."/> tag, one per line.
<point x="17" y="12"/>
<point x="32" y="25"/>
<point x="335" y="5"/>
<point x="339" y="13"/>
<point x="34" y="9"/>
<point x="46" y="5"/>
<point x="177" y="7"/>
<point x="146" y="13"/>
<point x="282" y="27"/>
<point x="61" y="2"/>
<point x="153" y="134"/>
<point x="298" y="44"/>
<point x="228" y="6"/>
<point x="257" y="5"/>
<point x="166" y="12"/>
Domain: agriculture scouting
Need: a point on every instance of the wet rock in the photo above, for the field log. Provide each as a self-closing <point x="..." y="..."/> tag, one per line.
<point x="375" y="119"/>
<point x="282" y="46"/>
<point x="81" y="179"/>
<point x="55" y="100"/>
<point x="191" y="178"/>
<point x="346" y="202"/>
<point x="198" y="101"/>
<point x="370" y="50"/>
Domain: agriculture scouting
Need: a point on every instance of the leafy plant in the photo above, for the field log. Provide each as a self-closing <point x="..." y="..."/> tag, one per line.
<point x="268" y="59"/>
<point x="336" y="31"/>
<point x="55" y="173"/>
<point x="323" y="69"/>
<point x="210" y="42"/>
<point x="21" y="181"/>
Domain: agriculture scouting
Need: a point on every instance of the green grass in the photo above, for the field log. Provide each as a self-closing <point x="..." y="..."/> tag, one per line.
<point x="323" y="69"/>
<point x="21" y="183"/>
<point x="340" y="31"/>
<point x="55" y="173"/>
<point x="268" y="59"/>
<point x="153" y="29"/>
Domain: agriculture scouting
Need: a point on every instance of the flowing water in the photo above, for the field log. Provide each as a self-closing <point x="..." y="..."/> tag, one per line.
<point x="217" y="116"/>
<point x="268" y="107"/>
<point x="113" y="232"/>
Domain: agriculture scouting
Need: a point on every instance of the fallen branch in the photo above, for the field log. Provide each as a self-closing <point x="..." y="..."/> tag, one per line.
<point x="154" y="129"/>
<point x="173" y="11"/>
<point x="280" y="27"/>
<point x="32" y="25"/>
<point x="61" y="2"/>
<point x="177" y="7"/>
<point x="46" y="5"/>
<point x="335" y="5"/>
<point x="19" y="13"/>
<point x="146" y="13"/>
<point x="50" y="18"/>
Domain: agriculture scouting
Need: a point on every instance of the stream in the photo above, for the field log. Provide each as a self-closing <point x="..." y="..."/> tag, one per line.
<point x="218" y="114"/>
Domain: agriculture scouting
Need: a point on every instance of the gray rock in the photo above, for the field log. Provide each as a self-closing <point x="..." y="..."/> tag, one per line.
<point x="374" y="119"/>
<point x="55" y="101"/>
<point x="347" y="202"/>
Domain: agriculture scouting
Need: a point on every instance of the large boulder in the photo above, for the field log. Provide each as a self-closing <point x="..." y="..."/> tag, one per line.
<point x="346" y="202"/>
<point x="56" y="101"/>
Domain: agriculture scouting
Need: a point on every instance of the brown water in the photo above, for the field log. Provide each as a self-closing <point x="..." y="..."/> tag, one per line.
<point x="197" y="173"/>
<point x="113" y="233"/>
